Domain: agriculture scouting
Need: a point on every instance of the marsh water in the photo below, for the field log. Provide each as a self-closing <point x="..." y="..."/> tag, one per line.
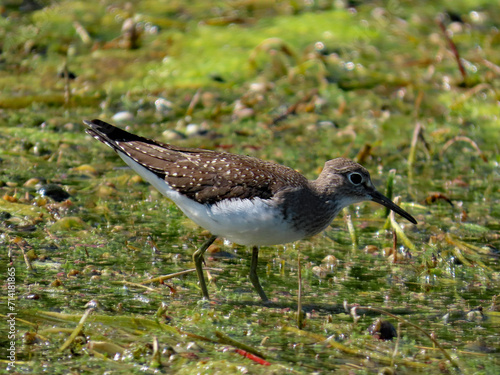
<point x="294" y="82"/>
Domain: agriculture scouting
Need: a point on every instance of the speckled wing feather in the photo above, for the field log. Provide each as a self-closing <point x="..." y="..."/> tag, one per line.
<point x="203" y="175"/>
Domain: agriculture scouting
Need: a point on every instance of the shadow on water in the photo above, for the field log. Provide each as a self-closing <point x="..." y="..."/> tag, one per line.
<point x="316" y="307"/>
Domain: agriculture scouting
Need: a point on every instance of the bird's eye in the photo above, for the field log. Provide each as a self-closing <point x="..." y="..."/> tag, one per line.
<point x="355" y="178"/>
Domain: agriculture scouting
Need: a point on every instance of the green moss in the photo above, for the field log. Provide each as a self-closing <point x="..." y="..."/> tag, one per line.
<point x="294" y="82"/>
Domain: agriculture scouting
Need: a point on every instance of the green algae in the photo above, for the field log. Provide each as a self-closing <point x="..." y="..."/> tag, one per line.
<point x="377" y="70"/>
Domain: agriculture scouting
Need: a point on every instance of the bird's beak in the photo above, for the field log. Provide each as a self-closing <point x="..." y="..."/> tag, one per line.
<point x="384" y="201"/>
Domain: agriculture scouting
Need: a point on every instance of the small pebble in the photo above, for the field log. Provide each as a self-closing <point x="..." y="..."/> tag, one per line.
<point x="123" y="116"/>
<point x="163" y="106"/>
<point x="4" y="215"/>
<point x="54" y="191"/>
<point x="192" y="129"/>
<point x="330" y="261"/>
<point x="173" y="135"/>
<point x="383" y="330"/>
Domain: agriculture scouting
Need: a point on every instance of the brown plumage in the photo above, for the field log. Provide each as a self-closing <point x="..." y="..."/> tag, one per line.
<point x="203" y="175"/>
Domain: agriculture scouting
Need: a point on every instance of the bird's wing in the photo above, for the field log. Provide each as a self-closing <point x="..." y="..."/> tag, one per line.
<point x="203" y="175"/>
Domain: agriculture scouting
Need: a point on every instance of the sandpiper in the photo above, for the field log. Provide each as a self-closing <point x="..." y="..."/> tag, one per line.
<point x="243" y="199"/>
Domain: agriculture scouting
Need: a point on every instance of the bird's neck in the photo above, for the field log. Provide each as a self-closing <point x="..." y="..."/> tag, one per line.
<point x="310" y="209"/>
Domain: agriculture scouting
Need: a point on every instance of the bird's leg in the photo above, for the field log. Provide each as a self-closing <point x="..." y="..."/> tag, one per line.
<point x="254" y="278"/>
<point x="198" y="263"/>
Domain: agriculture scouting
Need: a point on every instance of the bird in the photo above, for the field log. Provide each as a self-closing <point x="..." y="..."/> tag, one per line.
<point x="243" y="199"/>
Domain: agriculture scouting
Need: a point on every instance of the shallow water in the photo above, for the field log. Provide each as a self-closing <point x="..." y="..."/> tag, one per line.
<point x="390" y="70"/>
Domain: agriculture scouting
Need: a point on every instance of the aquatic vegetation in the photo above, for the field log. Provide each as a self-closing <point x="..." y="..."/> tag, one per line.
<point x="103" y="271"/>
